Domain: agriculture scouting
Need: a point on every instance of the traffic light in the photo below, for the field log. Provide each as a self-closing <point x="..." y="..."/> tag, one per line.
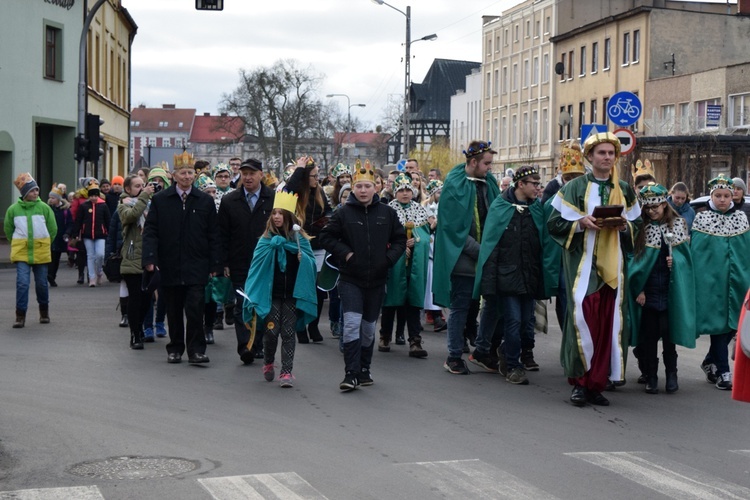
<point x="209" y="4"/>
<point x="81" y="148"/>
<point x="94" y="138"/>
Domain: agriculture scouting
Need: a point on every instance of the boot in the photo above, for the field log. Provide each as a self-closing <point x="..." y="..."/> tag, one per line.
<point x="384" y="344"/>
<point x="671" y="386"/>
<point x="652" y="384"/>
<point x="20" y="319"/>
<point x="229" y="314"/>
<point x="44" y="313"/>
<point x="219" y="321"/>
<point x="302" y="337"/>
<point x="136" y="341"/>
<point x="80" y="277"/>
<point x="527" y="359"/>
<point x="124" y="312"/>
<point x="652" y="381"/>
<point x="415" y="348"/>
<point x="315" y="335"/>
<point x="209" y="334"/>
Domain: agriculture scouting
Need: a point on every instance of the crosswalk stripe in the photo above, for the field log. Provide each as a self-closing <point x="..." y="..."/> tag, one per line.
<point x="77" y="492"/>
<point x="472" y="479"/>
<point x="741" y="452"/>
<point x="282" y="486"/>
<point x="664" y="476"/>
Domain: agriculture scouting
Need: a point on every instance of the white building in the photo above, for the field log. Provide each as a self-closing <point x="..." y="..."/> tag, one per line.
<point x="466" y="113"/>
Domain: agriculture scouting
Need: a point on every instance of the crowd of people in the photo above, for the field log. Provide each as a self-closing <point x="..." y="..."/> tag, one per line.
<point x="203" y="246"/>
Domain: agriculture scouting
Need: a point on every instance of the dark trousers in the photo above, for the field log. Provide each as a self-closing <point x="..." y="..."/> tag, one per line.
<point x="334" y="305"/>
<point x="655" y="326"/>
<point x="54" y="266"/>
<point x="240" y="330"/>
<point x="209" y="315"/>
<point x="190" y="301"/>
<point x="361" y="307"/>
<point x="718" y="353"/>
<point x="137" y="304"/>
<point x="411" y="314"/>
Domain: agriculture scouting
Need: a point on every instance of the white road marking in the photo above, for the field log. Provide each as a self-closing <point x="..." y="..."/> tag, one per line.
<point x="281" y="486"/>
<point x="73" y="492"/>
<point x="664" y="476"/>
<point x="473" y="479"/>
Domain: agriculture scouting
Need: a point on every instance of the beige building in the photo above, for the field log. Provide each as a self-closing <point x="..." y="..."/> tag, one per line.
<point x="517" y="89"/>
<point x="110" y="38"/>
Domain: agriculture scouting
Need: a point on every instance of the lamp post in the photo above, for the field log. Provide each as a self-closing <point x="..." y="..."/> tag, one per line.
<point x="348" y="110"/>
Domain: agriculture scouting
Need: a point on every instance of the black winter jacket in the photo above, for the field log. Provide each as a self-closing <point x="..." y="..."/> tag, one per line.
<point x="92" y="220"/>
<point x="316" y="218"/>
<point x="283" y="282"/>
<point x="373" y="233"/>
<point x="240" y="229"/>
<point x="183" y="243"/>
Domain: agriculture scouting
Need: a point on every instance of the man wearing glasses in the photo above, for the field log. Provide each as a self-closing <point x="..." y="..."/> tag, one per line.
<point x="234" y="164"/>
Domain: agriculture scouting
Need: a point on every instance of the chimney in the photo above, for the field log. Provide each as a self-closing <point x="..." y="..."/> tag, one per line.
<point x="743" y="7"/>
<point x="223" y="114"/>
<point x="168" y="106"/>
<point x="206" y="114"/>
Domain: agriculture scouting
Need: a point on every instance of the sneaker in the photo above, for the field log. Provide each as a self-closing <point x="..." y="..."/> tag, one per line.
<point x="517" y="376"/>
<point x="456" y="366"/>
<point x="484" y="361"/>
<point x="269" y="374"/>
<point x="365" y="378"/>
<point x="502" y="363"/>
<point x="286" y="380"/>
<point x="148" y="334"/>
<point x="335" y="329"/>
<point x="527" y="359"/>
<point x="710" y="370"/>
<point x="724" y="381"/>
<point x="160" y="330"/>
<point x="349" y="383"/>
<point x="439" y="324"/>
<point x="384" y="345"/>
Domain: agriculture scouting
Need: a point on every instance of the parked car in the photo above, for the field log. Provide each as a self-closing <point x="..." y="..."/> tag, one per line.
<point x="702" y="201"/>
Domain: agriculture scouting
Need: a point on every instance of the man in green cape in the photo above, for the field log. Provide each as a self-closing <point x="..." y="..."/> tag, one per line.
<point x="594" y="250"/>
<point x="509" y="272"/>
<point x="468" y="192"/>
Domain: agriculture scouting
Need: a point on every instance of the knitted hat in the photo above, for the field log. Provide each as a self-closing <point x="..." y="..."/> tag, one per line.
<point x="434" y="186"/>
<point x="56" y="192"/>
<point x="117" y="179"/>
<point x="160" y="173"/>
<point x="341" y="193"/>
<point x="653" y="194"/>
<point x="25" y="183"/>
<point x="739" y="183"/>
<point x="104" y="181"/>
<point x="720" y="182"/>
<point x="85" y="182"/>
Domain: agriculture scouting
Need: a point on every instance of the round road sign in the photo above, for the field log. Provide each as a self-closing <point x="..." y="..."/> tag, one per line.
<point x="627" y="140"/>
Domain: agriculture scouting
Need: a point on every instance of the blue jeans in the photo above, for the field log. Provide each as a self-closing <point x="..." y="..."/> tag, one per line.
<point x="519" y="323"/>
<point x="718" y="353"/>
<point x="94" y="256"/>
<point x="161" y="311"/>
<point x="23" y="279"/>
<point x="488" y="323"/>
<point x="462" y="289"/>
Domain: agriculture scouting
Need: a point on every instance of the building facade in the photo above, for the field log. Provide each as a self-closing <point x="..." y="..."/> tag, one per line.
<point x="158" y="133"/>
<point x="466" y="113"/>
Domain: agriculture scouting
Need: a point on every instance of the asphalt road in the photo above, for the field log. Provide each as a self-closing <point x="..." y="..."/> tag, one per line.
<point x="82" y="416"/>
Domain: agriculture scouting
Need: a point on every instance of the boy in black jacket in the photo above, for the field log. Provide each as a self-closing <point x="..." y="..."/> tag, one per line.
<point x="367" y="239"/>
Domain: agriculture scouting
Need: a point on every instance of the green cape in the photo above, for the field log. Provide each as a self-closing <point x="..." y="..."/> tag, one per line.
<point x="499" y="216"/>
<point x="456" y="214"/>
<point x="259" y="283"/>
<point x="407" y="284"/>
<point x="219" y="289"/>
<point x="551" y="257"/>
<point x="681" y="307"/>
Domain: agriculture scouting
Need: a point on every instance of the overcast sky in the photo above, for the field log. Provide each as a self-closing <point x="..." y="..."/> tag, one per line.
<point x="190" y="58"/>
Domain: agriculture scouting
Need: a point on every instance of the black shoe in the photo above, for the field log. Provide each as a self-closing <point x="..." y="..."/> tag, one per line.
<point x="259" y="354"/>
<point x="80" y="280"/>
<point x="456" y="366"/>
<point x="349" y="383"/>
<point x="247" y="357"/>
<point x="619" y="383"/>
<point x="671" y="386"/>
<point x="484" y="361"/>
<point x="596" y="398"/>
<point x="302" y="337"/>
<point x="642" y="379"/>
<point x="400" y="340"/>
<point x="527" y="360"/>
<point x="229" y="315"/>
<point x="124" y="321"/>
<point x="136" y="346"/>
<point x="578" y="396"/>
<point x="173" y="357"/>
<point x="219" y="321"/>
<point x="209" y="337"/>
<point x="52" y="282"/>
<point x="365" y="378"/>
<point x="198" y="358"/>
<point x="610" y="386"/>
<point x="652" y="385"/>
<point x="315" y="335"/>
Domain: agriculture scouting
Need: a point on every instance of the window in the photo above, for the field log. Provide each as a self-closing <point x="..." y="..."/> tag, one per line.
<point x="583" y="61"/>
<point x="515" y="33"/>
<point x="545" y="68"/>
<point x="494" y="131"/>
<point x="178" y="142"/>
<point x="545" y="125"/>
<point x="607" y="53"/>
<point x="636" y="45"/>
<point x="625" y="49"/>
<point x="505" y="37"/>
<point x="164" y="124"/>
<point x="739" y="110"/>
<point x="685" y="117"/>
<point x="166" y="142"/>
<point x="503" y="130"/>
<point x="570" y="126"/>
<point x="546" y="25"/>
<point x="564" y="61"/>
<point x="667" y="114"/>
<point x="515" y="78"/>
<point x="179" y="125"/>
<point x="593" y="112"/>
<point x="488" y="85"/>
<point x="496" y="83"/>
<point x="525" y="135"/>
<point x="534" y="126"/>
<point x="537" y="28"/>
<point x="53" y="53"/>
<point x="514" y="130"/>
<point x="535" y="71"/>
<point x="497" y="43"/>
<point x="526" y="73"/>
<point x="594" y="57"/>
<point x="561" y="135"/>
<point x="152" y="142"/>
<point x="571" y="59"/>
<point x="701" y="108"/>
<point x="489" y="46"/>
<point x="505" y="79"/>
<point x="528" y="28"/>
<point x="582" y="113"/>
<point x="605" y="102"/>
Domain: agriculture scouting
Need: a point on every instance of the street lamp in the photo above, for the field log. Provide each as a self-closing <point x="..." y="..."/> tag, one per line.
<point x="407" y="68"/>
<point x="348" y="110"/>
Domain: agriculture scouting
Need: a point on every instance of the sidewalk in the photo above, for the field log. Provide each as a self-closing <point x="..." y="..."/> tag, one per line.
<point x="4" y="254"/>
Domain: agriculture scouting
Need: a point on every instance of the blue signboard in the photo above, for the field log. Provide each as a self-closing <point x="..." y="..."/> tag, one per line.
<point x="591" y="128"/>
<point x="401" y="165"/>
<point x="624" y="108"/>
<point x="713" y="115"/>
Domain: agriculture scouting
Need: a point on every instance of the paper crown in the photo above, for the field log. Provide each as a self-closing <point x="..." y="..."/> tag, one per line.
<point x="339" y="170"/>
<point x="363" y="173"/>
<point x="163" y="165"/>
<point x="642" y="168"/>
<point x="479" y="149"/>
<point x="524" y="172"/>
<point x="402" y="182"/>
<point x="720" y="182"/>
<point x="57" y="191"/>
<point x="434" y="186"/>
<point x="653" y="194"/>
<point x="25" y="183"/>
<point x="600" y="137"/>
<point x="205" y="182"/>
<point x="571" y="158"/>
<point x="183" y="160"/>
<point x="270" y="179"/>
<point x="285" y="201"/>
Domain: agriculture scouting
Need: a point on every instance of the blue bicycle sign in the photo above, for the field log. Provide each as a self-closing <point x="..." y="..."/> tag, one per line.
<point x="624" y="108"/>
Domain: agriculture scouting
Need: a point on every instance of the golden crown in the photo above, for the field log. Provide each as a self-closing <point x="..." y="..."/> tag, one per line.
<point x="643" y="168"/>
<point x="571" y="158"/>
<point x="285" y="201"/>
<point x="363" y="173"/>
<point x="183" y="160"/>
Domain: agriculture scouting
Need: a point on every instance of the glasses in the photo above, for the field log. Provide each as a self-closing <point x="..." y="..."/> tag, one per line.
<point x="235" y="164"/>
<point x="535" y="183"/>
<point x="652" y="208"/>
<point x="222" y="176"/>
